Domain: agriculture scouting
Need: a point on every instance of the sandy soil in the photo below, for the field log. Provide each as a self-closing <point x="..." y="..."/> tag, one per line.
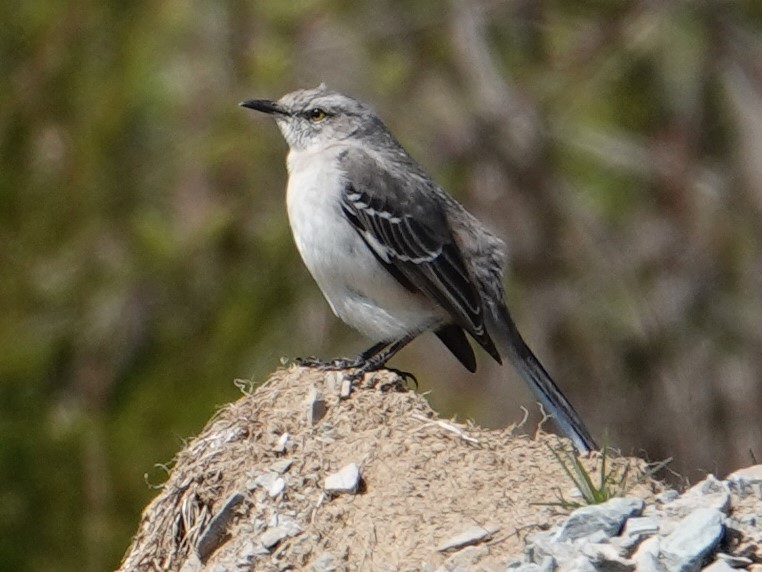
<point x="423" y="480"/>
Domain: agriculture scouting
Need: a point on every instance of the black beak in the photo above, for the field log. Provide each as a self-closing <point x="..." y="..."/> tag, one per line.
<point x="265" y="106"/>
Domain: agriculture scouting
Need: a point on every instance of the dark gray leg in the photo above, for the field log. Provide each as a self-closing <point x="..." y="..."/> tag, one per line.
<point x="359" y="361"/>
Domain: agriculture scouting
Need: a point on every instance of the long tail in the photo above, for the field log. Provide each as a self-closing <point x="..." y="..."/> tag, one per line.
<point x="510" y="344"/>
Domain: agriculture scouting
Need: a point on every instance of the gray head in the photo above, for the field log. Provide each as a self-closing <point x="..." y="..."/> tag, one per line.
<point x="317" y="117"/>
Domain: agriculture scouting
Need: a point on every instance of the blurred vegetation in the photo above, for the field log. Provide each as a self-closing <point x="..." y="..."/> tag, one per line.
<point x="146" y="259"/>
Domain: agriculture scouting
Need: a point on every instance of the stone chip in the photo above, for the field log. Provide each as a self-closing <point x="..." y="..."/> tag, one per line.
<point x="346" y="481"/>
<point x="469" y="537"/>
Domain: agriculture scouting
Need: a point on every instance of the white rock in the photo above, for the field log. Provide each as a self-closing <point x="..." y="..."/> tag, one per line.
<point x="280" y="446"/>
<point x="280" y="528"/>
<point x="580" y="564"/>
<point x="317" y="407"/>
<point x="608" y="517"/>
<point x="627" y="543"/>
<point x="709" y="493"/>
<point x="667" y="496"/>
<point x="597" y="537"/>
<point x="467" y="558"/>
<point x="746" y="481"/>
<point x="281" y="466"/>
<point x="326" y="562"/>
<point x="543" y="547"/>
<point x="333" y="380"/>
<point x="607" y="557"/>
<point x="287" y="523"/>
<point x="470" y="536"/>
<point x="734" y="561"/>
<point x="272" y="536"/>
<point x="548" y="565"/>
<point x="646" y="557"/>
<point x="640" y="525"/>
<point x="192" y="564"/>
<point x="277" y="487"/>
<point x="751" y="474"/>
<point x="347" y="480"/>
<point x="519" y="567"/>
<point x="215" y="531"/>
<point x="346" y="387"/>
<point x="248" y="551"/>
<point x="695" y="536"/>
<point x="266" y="480"/>
<point x="719" y="566"/>
<point x="709" y="485"/>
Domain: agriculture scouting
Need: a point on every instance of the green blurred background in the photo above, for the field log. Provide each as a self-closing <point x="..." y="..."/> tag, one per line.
<point x="146" y="260"/>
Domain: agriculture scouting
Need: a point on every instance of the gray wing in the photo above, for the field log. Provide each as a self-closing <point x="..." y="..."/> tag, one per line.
<point x="406" y="226"/>
<point x="404" y="223"/>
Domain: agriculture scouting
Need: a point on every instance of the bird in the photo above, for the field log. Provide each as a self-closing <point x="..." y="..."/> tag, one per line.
<point x="394" y="254"/>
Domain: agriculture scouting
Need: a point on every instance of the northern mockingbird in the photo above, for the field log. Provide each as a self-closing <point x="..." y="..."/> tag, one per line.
<point x="394" y="255"/>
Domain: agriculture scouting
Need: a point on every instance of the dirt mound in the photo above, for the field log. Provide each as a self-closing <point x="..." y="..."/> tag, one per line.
<point x="249" y="492"/>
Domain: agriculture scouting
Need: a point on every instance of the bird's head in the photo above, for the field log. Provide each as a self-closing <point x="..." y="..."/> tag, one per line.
<point x="313" y="118"/>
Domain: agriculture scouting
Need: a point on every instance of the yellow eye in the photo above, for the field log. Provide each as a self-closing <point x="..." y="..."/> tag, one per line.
<point x="316" y="114"/>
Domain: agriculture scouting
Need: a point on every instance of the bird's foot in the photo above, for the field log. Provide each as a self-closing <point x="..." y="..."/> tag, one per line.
<point x="406" y="376"/>
<point x="359" y="366"/>
<point x="335" y="364"/>
<point x="402" y="376"/>
<point x="382" y="383"/>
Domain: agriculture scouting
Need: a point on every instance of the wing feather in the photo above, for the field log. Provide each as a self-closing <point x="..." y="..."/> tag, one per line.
<point x="407" y="229"/>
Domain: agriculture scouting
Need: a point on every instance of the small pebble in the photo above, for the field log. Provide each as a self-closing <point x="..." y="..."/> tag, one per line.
<point x="214" y="533"/>
<point x="273" y="536"/>
<point x="346" y="387"/>
<point x="719" y="566"/>
<point x="326" y="562"/>
<point x="734" y="561"/>
<point x="277" y="487"/>
<point x="265" y="480"/>
<point x="281" y="466"/>
<point x="286" y="523"/>
<point x="333" y="381"/>
<point x="347" y="480"/>
<point x="468" y="537"/>
<point x="667" y="496"/>
<point x="316" y="407"/>
<point x="280" y="446"/>
<point x="606" y="557"/>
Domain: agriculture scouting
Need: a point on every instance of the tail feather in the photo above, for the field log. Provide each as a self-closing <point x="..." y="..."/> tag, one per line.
<point x="511" y="345"/>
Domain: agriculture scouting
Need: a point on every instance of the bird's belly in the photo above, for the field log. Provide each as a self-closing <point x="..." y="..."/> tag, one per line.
<point x="359" y="289"/>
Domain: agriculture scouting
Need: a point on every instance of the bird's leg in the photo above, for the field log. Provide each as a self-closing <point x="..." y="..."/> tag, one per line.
<point x="376" y="357"/>
<point x="372" y="359"/>
<point x="343" y="363"/>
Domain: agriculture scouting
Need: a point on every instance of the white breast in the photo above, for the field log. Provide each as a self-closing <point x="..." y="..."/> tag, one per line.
<point x="360" y="291"/>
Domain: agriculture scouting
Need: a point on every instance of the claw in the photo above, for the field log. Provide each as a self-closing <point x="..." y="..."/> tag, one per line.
<point x="310" y="362"/>
<point x="405" y="375"/>
<point x="335" y="364"/>
<point x="360" y="365"/>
